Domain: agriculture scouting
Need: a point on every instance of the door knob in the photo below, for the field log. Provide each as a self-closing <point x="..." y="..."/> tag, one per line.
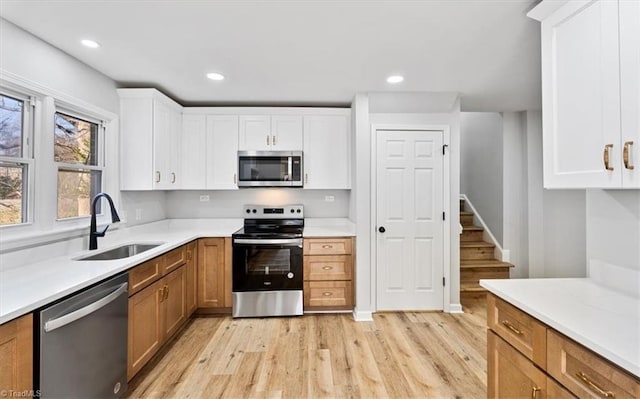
<point x="382" y="229"/>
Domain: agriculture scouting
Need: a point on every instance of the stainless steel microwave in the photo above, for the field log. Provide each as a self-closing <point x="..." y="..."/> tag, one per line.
<point x="269" y="168"/>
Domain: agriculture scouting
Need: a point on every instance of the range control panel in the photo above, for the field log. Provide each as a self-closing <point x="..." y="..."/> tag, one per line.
<point x="273" y="212"/>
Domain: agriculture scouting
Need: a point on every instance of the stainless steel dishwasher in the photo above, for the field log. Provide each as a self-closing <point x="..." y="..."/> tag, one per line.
<point x="83" y="344"/>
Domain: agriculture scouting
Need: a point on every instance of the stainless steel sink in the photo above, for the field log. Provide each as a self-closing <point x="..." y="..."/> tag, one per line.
<point x="121" y="252"/>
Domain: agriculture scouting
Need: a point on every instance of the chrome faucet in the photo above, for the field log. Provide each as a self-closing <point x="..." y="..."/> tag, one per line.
<point x="93" y="233"/>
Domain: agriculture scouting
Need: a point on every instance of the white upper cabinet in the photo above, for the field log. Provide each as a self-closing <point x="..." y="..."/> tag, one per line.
<point x="327" y="150"/>
<point x="222" y="152"/>
<point x="270" y="133"/>
<point x="193" y="155"/>
<point x="150" y="126"/>
<point x="590" y="92"/>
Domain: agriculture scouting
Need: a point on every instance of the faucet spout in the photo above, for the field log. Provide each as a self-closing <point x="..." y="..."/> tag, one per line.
<point x="94" y="233"/>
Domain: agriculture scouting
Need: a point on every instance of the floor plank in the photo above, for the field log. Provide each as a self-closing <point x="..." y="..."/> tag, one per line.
<point x="397" y="355"/>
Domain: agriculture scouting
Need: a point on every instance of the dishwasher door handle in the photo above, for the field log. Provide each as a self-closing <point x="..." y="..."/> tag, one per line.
<point x="87" y="310"/>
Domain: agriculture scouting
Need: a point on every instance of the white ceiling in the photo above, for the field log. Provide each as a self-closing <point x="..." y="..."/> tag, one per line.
<point x="301" y="52"/>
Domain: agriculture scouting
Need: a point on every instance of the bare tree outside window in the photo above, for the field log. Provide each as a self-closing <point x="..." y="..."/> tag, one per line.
<point x="79" y="172"/>
<point x="12" y="171"/>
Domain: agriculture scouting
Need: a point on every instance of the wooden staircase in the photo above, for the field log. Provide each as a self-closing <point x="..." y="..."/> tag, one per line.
<point x="477" y="260"/>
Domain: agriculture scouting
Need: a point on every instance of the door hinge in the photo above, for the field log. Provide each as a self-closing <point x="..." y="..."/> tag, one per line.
<point x="443" y="281"/>
<point x="444" y="216"/>
<point x="444" y="147"/>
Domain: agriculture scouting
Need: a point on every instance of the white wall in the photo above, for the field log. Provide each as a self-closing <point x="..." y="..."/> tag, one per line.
<point x="481" y="166"/>
<point x="228" y="204"/>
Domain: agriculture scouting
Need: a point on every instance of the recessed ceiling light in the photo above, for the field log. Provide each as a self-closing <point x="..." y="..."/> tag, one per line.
<point x="215" y="76"/>
<point x="395" y="79"/>
<point x="90" y="43"/>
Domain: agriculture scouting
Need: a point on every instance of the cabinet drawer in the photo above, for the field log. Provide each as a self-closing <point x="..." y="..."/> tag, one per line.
<point x="585" y="373"/>
<point x="328" y="267"/>
<point x="328" y="294"/>
<point x="174" y="259"/>
<point x="327" y="246"/>
<point x="145" y="274"/>
<point x="519" y="329"/>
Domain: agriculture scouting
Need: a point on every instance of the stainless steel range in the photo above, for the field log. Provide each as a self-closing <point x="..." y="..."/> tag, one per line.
<point x="267" y="262"/>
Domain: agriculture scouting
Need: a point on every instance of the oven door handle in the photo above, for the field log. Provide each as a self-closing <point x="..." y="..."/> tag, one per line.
<point x="274" y="241"/>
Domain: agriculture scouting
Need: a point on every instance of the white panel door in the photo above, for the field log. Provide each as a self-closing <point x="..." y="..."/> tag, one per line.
<point x="327" y="152"/>
<point x="409" y="225"/>
<point x="255" y="133"/>
<point x="286" y="133"/>
<point x="582" y="83"/>
<point x="193" y="152"/>
<point x="222" y="152"/>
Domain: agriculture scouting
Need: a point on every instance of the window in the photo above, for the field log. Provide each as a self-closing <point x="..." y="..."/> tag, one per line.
<point x="15" y="130"/>
<point x="77" y="153"/>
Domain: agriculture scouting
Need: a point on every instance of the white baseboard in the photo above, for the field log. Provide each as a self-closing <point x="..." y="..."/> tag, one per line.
<point x="455" y="308"/>
<point x="362" y="315"/>
<point x="499" y="253"/>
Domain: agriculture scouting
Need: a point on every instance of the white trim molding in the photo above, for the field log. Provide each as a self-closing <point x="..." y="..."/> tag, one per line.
<point x="362" y="315"/>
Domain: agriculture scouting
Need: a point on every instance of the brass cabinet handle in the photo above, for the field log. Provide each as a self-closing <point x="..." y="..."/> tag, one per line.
<point x="157" y="176"/>
<point x="534" y="392"/>
<point x="235" y="178"/>
<point x="605" y="155"/>
<point x="594" y="387"/>
<point x="327" y="268"/>
<point x="511" y="327"/>
<point x="625" y="155"/>
<point x="173" y="177"/>
<point x="327" y="246"/>
<point x="166" y="292"/>
<point x="327" y="293"/>
<point x="268" y="139"/>
<point x="161" y="291"/>
<point x="273" y="140"/>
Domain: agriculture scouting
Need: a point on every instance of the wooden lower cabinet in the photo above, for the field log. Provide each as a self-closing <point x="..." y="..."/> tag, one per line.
<point x="214" y="273"/>
<point x="16" y="355"/>
<point x="328" y="273"/>
<point x="512" y="375"/>
<point x="191" y="276"/>
<point x="175" y="305"/>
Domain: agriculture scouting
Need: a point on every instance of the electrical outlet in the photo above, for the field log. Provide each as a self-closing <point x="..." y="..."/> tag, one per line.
<point x="329" y="198"/>
<point x="138" y="214"/>
<point x="204" y="198"/>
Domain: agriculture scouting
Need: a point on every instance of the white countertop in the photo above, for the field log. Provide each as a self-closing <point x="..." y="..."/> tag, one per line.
<point x="601" y="319"/>
<point x="29" y="287"/>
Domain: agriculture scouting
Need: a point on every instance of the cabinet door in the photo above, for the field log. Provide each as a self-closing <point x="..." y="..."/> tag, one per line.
<point x="630" y="90"/>
<point x="222" y="152"/>
<point x="136" y="144"/>
<point x="191" y="277"/>
<point x="161" y="145"/>
<point x="511" y="375"/>
<point x="193" y="153"/>
<point x="255" y="133"/>
<point x="16" y="352"/>
<point x="286" y="133"/>
<point x="175" y="305"/>
<point x="175" y="145"/>
<point x="146" y="321"/>
<point x="327" y="152"/>
<point x="211" y="257"/>
<point x="581" y="95"/>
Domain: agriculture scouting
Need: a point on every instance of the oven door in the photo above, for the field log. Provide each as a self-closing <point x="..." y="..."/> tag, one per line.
<point x="267" y="264"/>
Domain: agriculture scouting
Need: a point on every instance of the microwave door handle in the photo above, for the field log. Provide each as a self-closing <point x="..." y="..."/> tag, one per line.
<point x="290" y="175"/>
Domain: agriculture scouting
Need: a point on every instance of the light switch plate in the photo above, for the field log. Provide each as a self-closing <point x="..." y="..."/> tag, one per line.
<point x="204" y="198"/>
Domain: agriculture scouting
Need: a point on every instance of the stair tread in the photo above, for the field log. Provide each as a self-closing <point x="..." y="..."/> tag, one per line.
<point x="465" y="213"/>
<point x="476" y="244"/>
<point x="472" y="289"/>
<point x="472" y="228"/>
<point x="480" y="263"/>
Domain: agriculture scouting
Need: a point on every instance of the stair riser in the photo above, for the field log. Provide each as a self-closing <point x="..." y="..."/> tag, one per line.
<point x="461" y="205"/>
<point x="476" y="253"/>
<point x="466" y="220"/>
<point x="471" y="276"/>
<point x="471" y="235"/>
<point x="465" y="296"/>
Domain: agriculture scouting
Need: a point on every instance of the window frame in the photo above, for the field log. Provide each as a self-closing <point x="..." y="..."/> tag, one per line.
<point x="100" y="155"/>
<point x="26" y="158"/>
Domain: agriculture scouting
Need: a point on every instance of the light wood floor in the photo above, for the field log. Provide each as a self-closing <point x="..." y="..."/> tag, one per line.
<point x="398" y="355"/>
